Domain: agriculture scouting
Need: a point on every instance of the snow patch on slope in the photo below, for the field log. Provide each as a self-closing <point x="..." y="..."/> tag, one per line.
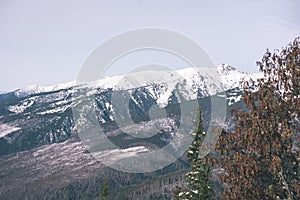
<point x="54" y="110"/>
<point x="17" y="109"/>
<point x="111" y="156"/>
<point x="234" y="99"/>
<point x="6" y="129"/>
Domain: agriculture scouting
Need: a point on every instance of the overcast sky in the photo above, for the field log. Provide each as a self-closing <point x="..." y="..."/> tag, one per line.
<point x="46" y="42"/>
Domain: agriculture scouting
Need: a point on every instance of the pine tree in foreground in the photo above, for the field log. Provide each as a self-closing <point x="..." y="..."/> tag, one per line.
<point x="198" y="185"/>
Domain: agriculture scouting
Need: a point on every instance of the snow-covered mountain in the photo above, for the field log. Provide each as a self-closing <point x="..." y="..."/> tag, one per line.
<point x="47" y="111"/>
<point x="40" y="120"/>
<point x="191" y="82"/>
<point x="145" y="89"/>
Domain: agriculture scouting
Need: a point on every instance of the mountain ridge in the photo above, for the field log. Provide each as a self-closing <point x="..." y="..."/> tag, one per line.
<point x="225" y="71"/>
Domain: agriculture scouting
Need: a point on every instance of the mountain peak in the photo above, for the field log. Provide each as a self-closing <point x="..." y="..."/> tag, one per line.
<point x="226" y="69"/>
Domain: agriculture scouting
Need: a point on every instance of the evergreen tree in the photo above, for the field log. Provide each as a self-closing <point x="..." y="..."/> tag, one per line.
<point x="198" y="185"/>
<point x="261" y="157"/>
<point x="104" y="190"/>
<point x="177" y="191"/>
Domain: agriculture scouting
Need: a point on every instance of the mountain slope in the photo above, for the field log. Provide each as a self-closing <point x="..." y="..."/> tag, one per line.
<point x="38" y="123"/>
<point x="36" y="118"/>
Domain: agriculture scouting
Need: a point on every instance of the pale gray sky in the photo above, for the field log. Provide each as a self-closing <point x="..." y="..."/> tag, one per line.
<point x="46" y="42"/>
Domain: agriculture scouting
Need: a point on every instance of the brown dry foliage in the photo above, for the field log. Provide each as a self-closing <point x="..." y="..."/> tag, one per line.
<point x="261" y="157"/>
